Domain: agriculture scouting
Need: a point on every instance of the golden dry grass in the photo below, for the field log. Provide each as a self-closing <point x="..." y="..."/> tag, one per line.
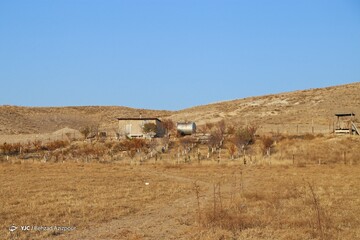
<point x="276" y="202"/>
<point x="80" y="195"/>
<point x="290" y="112"/>
<point x="111" y="201"/>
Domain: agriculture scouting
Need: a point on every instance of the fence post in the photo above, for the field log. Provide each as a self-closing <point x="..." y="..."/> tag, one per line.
<point x="312" y="126"/>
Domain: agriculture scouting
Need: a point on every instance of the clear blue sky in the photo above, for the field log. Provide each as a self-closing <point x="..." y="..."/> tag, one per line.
<point x="172" y="54"/>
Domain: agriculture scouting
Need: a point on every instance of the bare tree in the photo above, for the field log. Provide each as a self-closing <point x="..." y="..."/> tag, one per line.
<point x="169" y="125"/>
<point x="232" y="150"/>
<point x="267" y="143"/>
<point x="221" y="126"/>
<point x="134" y="146"/>
<point x="152" y="146"/>
<point x="186" y="143"/>
<point x="244" y="137"/>
<point x="215" y="140"/>
<point x="165" y="141"/>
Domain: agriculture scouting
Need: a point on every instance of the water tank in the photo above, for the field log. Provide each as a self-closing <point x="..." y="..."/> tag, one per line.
<point x="186" y="128"/>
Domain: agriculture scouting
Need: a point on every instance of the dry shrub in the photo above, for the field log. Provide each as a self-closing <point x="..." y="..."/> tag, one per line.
<point x="119" y="147"/>
<point x="229" y="220"/>
<point x="135" y="144"/>
<point x="319" y="150"/>
<point x="230" y="130"/>
<point x="290" y="205"/>
<point x="225" y="215"/>
<point x="19" y="148"/>
<point x="169" y="125"/>
<point x="37" y="145"/>
<point x="51" y="146"/>
<point x="231" y="150"/>
<point x="110" y="144"/>
<point x="308" y="136"/>
<point x="209" y="127"/>
<point x="216" y="138"/>
<point x="10" y="148"/>
<point x="267" y="142"/>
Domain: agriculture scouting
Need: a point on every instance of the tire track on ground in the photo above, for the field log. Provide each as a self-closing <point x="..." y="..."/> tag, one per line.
<point x="171" y="221"/>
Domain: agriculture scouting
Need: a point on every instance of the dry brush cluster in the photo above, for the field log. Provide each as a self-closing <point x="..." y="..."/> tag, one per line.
<point x="304" y="207"/>
<point x="223" y="141"/>
<point x="60" y="150"/>
<point x="242" y="142"/>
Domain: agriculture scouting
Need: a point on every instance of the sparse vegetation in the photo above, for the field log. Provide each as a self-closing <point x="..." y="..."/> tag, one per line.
<point x="284" y="149"/>
<point x="85" y="131"/>
<point x="196" y="201"/>
<point x="169" y="125"/>
<point x="231" y="199"/>
<point x="267" y="143"/>
<point x="309" y="189"/>
<point x="149" y="128"/>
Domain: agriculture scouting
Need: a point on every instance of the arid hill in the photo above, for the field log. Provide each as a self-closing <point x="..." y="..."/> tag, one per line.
<point x="284" y="112"/>
<point x="27" y="120"/>
<point x="291" y="112"/>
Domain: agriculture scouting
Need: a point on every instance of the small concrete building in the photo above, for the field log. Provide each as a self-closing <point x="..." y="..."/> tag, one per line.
<point x="134" y="127"/>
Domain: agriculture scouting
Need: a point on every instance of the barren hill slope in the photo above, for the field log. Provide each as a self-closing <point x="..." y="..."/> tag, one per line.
<point x="15" y="120"/>
<point x="284" y="111"/>
<point x="292" y="112"/>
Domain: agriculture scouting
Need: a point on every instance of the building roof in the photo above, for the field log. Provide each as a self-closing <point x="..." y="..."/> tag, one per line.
<point x="139" y="118"/>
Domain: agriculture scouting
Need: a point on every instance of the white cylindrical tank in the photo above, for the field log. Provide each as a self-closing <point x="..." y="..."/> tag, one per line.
<point x="186" y="128"/>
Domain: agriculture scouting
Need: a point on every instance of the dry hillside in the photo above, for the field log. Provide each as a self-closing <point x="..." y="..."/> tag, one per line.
<point x="285" y="112"/>
<point x="26" y="120"/>
<point x="282" y="112"/>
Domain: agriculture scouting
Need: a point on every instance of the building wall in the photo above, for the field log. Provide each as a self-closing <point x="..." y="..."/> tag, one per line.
<point x="135" y="127"/>
<point x="160" y="132"/>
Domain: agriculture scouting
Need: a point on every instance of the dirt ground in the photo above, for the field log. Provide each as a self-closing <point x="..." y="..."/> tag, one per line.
<point x="186" y="201"/>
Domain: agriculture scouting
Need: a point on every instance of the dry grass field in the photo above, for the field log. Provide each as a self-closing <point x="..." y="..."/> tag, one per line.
<point x="288" y="179"/>
<point x="187" y="201"/>
<point x="81" y="195"/>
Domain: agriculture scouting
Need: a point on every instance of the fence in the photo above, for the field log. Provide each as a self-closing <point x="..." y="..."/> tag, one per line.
<point x="297" y="128"/>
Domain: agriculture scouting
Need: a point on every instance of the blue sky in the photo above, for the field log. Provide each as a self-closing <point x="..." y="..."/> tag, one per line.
<point x="172" y="54"/>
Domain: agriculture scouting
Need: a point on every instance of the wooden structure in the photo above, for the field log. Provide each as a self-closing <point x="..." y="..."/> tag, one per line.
<point x="345" y="124"/>
<point x="134" y="127"/>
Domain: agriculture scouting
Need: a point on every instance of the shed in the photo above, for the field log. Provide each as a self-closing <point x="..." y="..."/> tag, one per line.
<point x="345" y="124"/>
<point x="134" y="127"/>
